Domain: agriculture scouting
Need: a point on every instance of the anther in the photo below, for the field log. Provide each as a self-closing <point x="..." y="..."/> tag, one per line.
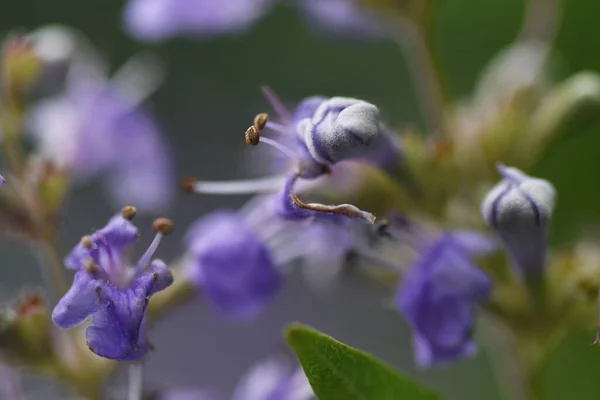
<point x="187" y="185"/>
<point x="252" y="136"/>
<point x="129" y="212"/>
<point x="91" y="267"/>
<point x="163" y="225"/>
<point x="261" y="120"/>
<point x="87" y="242"/>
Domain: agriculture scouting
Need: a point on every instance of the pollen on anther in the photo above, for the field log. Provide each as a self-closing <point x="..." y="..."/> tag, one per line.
<point x="163" y="225"/>
<point x="187" y="185"/>
<point x="261" y="120"/>
<point x="91" y="267"/>
<point x="252" y="136"/>
<point x="87" y="242"/>
<point x="129" y="212"/>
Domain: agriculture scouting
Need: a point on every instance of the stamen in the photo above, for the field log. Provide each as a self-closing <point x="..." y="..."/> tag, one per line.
<point x="243" y="186"/>
<point x="261" y="120"/>
<point x="279" y="146"/>
<point x="87" y="242"/>
<point x="276" y="103"/>
<point x="144" y="260"/>
<point x="252" y="135"/>
<point x="163" y="227"/>
<point x="91" y="267"/>
<point x="129" y="212"/>
<point x="277" y="127"/>
<point x="347" y="210"/>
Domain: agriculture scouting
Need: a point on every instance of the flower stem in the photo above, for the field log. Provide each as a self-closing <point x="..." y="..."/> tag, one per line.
<point x="136" y="381"/>
<point x="542" y="20"/>
<point x="415" y="42"/>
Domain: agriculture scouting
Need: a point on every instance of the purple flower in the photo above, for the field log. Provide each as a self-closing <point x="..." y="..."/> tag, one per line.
<point x="519" y="209"/>
<point x="438" y="296"/>
<point x="273" y="379"/>
<point x="156" y="20"/>
<point x="115" y="294"/>
<point x="321" y="134"/>
<point x="231" y="264"/>
<point x="98" y="128"/>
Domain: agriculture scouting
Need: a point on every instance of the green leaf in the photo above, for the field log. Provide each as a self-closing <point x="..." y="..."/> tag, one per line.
<point x="339" y="372"/>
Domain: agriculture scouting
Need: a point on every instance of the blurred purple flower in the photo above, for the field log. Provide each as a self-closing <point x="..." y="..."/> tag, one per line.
<point x="115" y="294"/>
<point x="156" y="20"/>
<point x="343" y="17"/>
<point x="273" y="379"/>
<point x="438" y="296"/>
<point x="231" y="264"/>
<point x="99" y="128"/>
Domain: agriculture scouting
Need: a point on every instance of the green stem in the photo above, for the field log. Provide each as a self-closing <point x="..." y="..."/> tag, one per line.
<point x="541" y="21"/>
<point x="416" y="44"/>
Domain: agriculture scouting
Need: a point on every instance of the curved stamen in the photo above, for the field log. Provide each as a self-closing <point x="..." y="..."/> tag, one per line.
<point x="243" y="186"/>
<point x="279" y="146"/>
<point x="163" y="227"/>
<point x="144" y="260"/>
<point x="279" y="128"/>
<point x="281" y="111"/>
<point x="347" y="210"/>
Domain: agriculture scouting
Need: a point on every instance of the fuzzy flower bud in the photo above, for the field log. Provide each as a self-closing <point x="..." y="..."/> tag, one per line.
<point x="519" y="209"/>
<point x="341" y="128"/>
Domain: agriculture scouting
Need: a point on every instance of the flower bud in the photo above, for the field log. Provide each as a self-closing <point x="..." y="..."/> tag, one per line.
<point x="519" y="209"/>
<point x="341" y="128"/>
<point x="21" y="66"/>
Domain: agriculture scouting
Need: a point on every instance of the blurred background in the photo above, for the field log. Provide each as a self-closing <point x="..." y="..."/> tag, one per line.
<point x="211" y="92"/>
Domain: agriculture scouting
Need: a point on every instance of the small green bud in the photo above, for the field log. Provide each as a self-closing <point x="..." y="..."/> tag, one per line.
<point x="20" y="65"/>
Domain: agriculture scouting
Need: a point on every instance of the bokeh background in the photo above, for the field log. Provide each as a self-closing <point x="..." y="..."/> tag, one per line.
<point x="211" y="92"/>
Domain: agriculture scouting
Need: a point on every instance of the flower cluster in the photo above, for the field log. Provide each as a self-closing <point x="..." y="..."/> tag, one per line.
<point x="462" y="228"/>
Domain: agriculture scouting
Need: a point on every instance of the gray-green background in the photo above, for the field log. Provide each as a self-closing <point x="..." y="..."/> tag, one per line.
<point x="210" y="94"/>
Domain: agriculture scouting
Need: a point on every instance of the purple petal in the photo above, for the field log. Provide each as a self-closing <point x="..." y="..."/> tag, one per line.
<point x="154" y="279"/>
<point x="117" y="330"/>
<point x="109" y="244"/>
<point x="79" y="303"/>
<point x="307" y="107"/>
